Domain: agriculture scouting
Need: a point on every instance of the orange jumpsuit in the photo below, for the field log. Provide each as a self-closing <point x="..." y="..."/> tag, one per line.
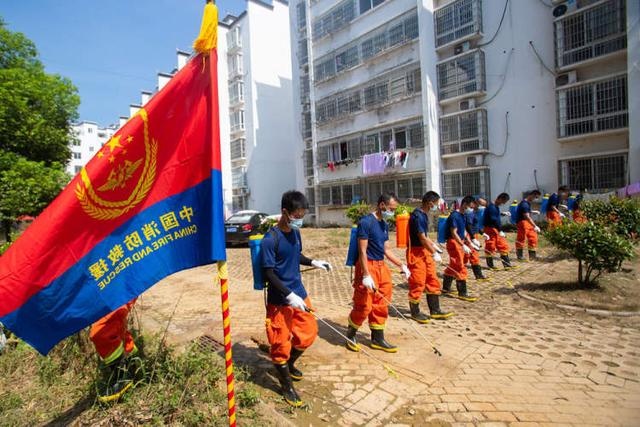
<point x="369" y="305"/>
<point x="456" y="267"/>
<point x="526" y="232"/>
<point x="423" y="273"/>
<point x="288" y="327"/>
<point x="495" y="242"/>
<point x="110" y="335"/>
<point x="579" y="217"/>
<point x="553" y="218"/>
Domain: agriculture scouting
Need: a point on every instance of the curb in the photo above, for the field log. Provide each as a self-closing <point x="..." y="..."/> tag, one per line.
<point x="606" y="313"/>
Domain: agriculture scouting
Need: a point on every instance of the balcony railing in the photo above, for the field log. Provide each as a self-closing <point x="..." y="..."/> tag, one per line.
<point x="596" y="106"/>
<point x="596" y="31"/>
<point x="457" y="20"/>
<point x="461" y="75"/>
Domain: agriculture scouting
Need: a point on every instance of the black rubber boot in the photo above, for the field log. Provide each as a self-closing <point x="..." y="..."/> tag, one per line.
<point x="490" y="263"/>
<point x="477" y="272"/>
<point x="446" y="285"/>
<point x="506" y="262"/>
<point x="416" y="314"/>
<point x="351" y="343"/>
<point x="296" y="374"/>
<point x="379" y="343"/>
<point x="434" y="308"/>
<point x="462" y="292"/>
<point x="288" y="392"/>
<point x="520" y="254"/>
<point x="532" y="255"/>
<point x="115" y="382"/>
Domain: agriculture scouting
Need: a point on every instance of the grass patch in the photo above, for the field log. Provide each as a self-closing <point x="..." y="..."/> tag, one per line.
<point x="175" y="387"/>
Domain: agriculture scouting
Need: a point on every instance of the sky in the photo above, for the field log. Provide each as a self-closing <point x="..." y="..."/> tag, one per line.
<point x="110" y="49"/>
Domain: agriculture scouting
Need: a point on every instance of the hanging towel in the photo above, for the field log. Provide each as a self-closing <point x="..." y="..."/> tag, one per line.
<point x="373" y="164"/>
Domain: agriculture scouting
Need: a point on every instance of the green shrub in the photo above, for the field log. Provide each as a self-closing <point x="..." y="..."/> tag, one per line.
<point x="357" y="211"/>
<point x="404" y="209"/>
<point x="597" y="248"/>
<point x="266" y="224"/>
<point x="622" y="215"/>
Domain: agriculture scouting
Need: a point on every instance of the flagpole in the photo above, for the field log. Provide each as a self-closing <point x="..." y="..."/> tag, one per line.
<point x="206" y="45"/>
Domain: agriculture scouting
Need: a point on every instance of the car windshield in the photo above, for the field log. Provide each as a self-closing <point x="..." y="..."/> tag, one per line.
<point x="239" y="219"/>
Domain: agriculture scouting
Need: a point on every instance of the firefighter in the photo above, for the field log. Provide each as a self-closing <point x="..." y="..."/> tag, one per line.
<point x="527" y="228"/>
<point x="458" y="247"/>
<point x="554" y="216"/>
<point x="422" y="256"/>
<point x="291" y="328"/>
<point x="372" y="281"/>
<point x="494" y="236"/>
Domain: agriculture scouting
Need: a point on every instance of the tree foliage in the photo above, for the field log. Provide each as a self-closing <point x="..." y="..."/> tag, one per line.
<point x="621" y="215"/>
<point x="597" y="248"/>
<point x="357" y="211"/>
<point x="37" y="108"/>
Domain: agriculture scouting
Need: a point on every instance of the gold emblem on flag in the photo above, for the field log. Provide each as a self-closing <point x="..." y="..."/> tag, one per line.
<point x="118" y="179"/>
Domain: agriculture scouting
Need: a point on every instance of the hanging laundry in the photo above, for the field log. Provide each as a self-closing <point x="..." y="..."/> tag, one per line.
<point x="373" y="164"/>
<point x="331" y="166"/>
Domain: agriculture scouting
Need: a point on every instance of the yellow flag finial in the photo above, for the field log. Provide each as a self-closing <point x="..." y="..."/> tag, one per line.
<point x="208" y="37"/>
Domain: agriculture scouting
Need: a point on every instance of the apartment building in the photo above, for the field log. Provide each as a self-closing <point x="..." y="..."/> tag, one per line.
<point x="89" y="137"/>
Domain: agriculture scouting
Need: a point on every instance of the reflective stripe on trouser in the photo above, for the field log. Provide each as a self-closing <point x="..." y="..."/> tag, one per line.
<point x="526" y="232"/>
<point x="495" y="242"/>
<point x="456" y="267"/>
<point x="287" y="327"/>
<point x="369" y="305"/>
<point x="110" y="335"/>
<point x="554" y="218"/>
<point x="423" y="273"/>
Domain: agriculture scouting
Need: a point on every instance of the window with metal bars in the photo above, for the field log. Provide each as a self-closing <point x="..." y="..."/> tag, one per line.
<point x="335" y="19"/>
<point x="592" y="32"/>
<point x="308" y="163"/>
<point x="239" y="177"/>
<point x="237" y="120"/>
<point x="236" y="92"/>
<point x="592" y="107"/>
<point x="599" y="173"/>
<point x="347" y="59"/>
<point x="306" y="124"/>
<point x="311" y="197"/>
<point x="461" y="75"/>
<point x="460" y="184"/>
<point x="301" y="14"/>
<point x="325" y="196"/>
<point x="463" y="132"/>
<point x="303" y="52"/>
<point x="457" y="20"/>
<point x="238" y="149"/>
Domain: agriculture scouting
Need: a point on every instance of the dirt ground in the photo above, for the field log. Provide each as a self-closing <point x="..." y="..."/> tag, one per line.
<point x="504" y="359"/>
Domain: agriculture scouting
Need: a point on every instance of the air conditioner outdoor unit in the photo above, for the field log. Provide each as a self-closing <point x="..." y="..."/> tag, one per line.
<point x="462" y="47"/>
<point x="567" y="78"/>
<point x="467" y="104"/>
<point x="473" y="161"/>
<point x="310" y="181"/>
<point x="566" y="7"/>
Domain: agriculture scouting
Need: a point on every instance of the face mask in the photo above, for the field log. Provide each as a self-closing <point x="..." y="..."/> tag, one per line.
<point x="434" y="208"/>
<point x="387" y="214"/>
<point x="295" y="222"/>
<point x="469" y="210"/>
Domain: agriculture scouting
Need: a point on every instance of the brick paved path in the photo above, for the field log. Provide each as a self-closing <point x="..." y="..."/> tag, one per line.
<point x="506" y="360"/>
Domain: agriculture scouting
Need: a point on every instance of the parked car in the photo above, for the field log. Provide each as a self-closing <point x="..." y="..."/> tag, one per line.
<point x="239" y="226"/>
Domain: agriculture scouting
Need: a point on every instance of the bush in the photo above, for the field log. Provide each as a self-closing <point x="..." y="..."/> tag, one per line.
<point x="266" y="224"/>
<point x="621" y="215"/>
<point x="596" y="247"/>
<point x="357" y="211"/>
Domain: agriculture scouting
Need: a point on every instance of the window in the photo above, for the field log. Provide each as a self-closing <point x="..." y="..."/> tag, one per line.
<point x="386" y="137"/>
<point x="306" y="124"/>
<point x="416" y="136"/>
<point x="236" y="92"/>
<point x="325" y="196"/>
<point x="461" y="75"/>
<point x="303" y="52"/>
<point x="457" y="20"/>
<point x="593" y="107"/>
<point x="335" y="19"/>
<point x="366" y="5"/>
<point x="301" y="14"/>
<point x="76" y="142"/>
<point x="404" y="189"/>
<point x="77" y="169"/>
<point x="234" y="38"/>
<point x="311" y="197"/>
<point x="91" y="149"/>
<point x="396" y="34"/>
<point x="235" y="65"/>
<point x="308" y="163"/>
<point x="400" y="135"/>
<point x="238" y="149"/>
<point x="417" y="187"/>
<point x="460" y="184"/>
<point x="239" y="177"/>
<point x="463" y="132"/>
<point x="347" y="194"/>
<point x="89" y="130"/>
<point x="371" y="144"/>
<point x="595" y="173"/>
<point x="347" y="59"/>
<point x="591" y="33"/>
<point x="336" y="198"/>
<point x="237" y="120"/>
<point x="77" y="156"/>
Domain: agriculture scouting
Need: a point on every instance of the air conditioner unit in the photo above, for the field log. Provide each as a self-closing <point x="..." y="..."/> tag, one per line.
<point x="567" y="78"/>
<point x="566" y="7"/>
<point x="467" y="104"/>
<point x="462" y="47"/>
<point x="473" y="161"/>
<point x="310" y="181"/>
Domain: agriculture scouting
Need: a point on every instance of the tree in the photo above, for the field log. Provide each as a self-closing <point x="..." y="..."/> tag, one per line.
<point x="37" y="108"/>
<point x="26" y="187"/>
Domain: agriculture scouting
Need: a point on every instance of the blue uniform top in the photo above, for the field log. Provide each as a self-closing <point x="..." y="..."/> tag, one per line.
<point x="376" y="232"/>
<point x="455" y="220"/>
<point x="471" y="223"/>
<point x="418" y="223"/>
<point x="492" y="216"/>
<point x="554" y="200"/>
<point x="286" y="265"/>
<point x="523" y="208"/>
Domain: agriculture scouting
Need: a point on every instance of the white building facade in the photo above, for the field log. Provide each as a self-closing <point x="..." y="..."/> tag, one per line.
<point x="478" y="97"/>
<point x="89" y="137"/>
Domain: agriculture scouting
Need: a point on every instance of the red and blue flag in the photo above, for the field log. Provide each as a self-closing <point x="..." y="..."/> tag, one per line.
<point x="147" y="205"/>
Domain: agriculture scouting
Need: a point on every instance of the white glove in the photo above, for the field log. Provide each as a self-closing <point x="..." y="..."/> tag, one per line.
<point x="437" y="248"/>
<point x="486" y="236"/>
<point x="466" y="249"/>
<point x="321" y="264"/>
<point x="564" y="206"/>
<point x="507" y="213"/>
<point x="502" y="234"/>
<point x="536" y="229"/>
<point x="405" y="271"/>
<point x="475" y="242"/>
<point x="296" y="302"/>
<point x="562" y="215"/>
<point x="368" y="283"/>
<point x="535" y="212"/>
<point x="437" y="257"/>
